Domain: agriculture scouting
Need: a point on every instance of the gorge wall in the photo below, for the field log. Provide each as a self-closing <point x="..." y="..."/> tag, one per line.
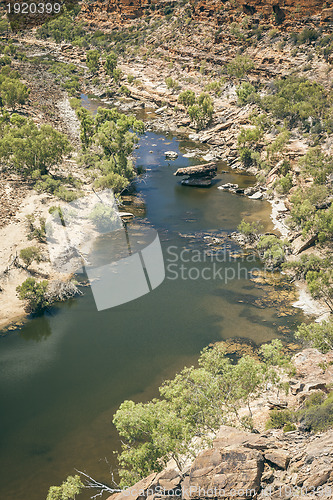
<point x="277" y="11"/>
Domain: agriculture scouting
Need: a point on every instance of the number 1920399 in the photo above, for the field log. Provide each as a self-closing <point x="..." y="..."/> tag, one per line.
<point x="33" y="8"/>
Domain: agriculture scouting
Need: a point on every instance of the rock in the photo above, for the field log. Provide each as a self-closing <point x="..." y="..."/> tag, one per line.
<point x="300" y="244"/>
<point x="190" y="155"/>
<point x="327" y="16"/>
<point x="257" y="196"/>
<point x="159" y="111"/>
<point x="215" y="473"/>
<point x="171" y="155"/>
<point x="250" y="190"/>
<point x="209" y="157"/>
<point x="228" y="187"/>
<point x="280" y="405"/>
<point x="280" y="458"/>
<point x="206" y="170"/>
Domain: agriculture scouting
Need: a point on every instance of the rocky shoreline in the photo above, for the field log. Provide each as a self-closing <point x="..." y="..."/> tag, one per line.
<point x="265" y="464"/>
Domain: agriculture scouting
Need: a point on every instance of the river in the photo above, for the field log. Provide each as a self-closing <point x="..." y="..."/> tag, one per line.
<point x="64" y="374"/>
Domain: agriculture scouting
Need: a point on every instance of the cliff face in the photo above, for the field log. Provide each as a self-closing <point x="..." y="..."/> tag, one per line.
<point x="276" y="10"/>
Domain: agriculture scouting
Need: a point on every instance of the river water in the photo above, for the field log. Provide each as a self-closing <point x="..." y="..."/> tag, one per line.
<point x="64" y="374"/>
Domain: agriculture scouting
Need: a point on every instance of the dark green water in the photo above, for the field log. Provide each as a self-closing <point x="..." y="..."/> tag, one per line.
<point x="63" y="375"/>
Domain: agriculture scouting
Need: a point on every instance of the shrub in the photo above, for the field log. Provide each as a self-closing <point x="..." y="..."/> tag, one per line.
<point x="272" y="250"/>
<point x="93" y="60"/>
<point x="30" y="254"/>
<point x="240" y="66"/>
<point x="125" y="90"/>
<point x="317" y="416"/>
<point x="246" y="93"/>
<point x="316" y="164"/>
<point x="308" y="35"/>
<point x="250" y="229"/>
<point x="35" y="295"/>
<point x="289" y="427"/>
<point x="171" y="83"/>
<point x="201" y="112"/>
<point x="110" y="63"/>
<point x="319" y="335"/>
<point x="117" y="74"/>
<point x="187" y="98"/>
<point x="280" y="418"/>
<point x="35" y="231"/>
<point x="296" y="100"/>
<point x="284" y="184"/>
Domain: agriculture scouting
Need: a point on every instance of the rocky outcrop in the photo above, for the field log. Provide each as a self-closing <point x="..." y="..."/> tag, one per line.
<point x="247" y="466"/>
<point x="198" y="175"/>
<point x="215" y="10"/>
<point x="271" y="464"/>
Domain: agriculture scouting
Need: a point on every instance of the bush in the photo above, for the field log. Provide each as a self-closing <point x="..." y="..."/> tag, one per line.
<point x="280" y="418"/>
<point x="316" y="164"/>
<point x="308" y="35"/>
<point x="171" y="83"/>
<point x="240" y="66"/>
<point x="284" y="184"/>
<point x="35" y="231"/>
<point x="319" y="335"/>
<point x="13" y="92"/>
<point x="246" y="93"/>
<point x="93" y="60"/>
<point x="30" y="254"/>
<point x="296" y="100"/>
<point x="110" y="63"/>
<point x="35" y="295"/>
<point x="317" y="416"/>
<point x="289" y="427"/>
<point x="272" y="250"/>
<point x="250" y="229"/>
<point x="201" y="112"/>
<point x="187" y="98"/>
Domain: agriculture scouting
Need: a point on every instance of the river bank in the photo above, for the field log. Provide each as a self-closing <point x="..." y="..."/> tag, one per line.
<point x="219" y="142"/>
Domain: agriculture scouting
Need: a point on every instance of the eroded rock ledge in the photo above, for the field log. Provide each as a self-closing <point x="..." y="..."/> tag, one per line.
<point x="270" y="464"/>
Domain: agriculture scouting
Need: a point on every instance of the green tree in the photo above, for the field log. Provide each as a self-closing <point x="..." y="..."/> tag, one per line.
<point x="86" y="126"/>
<point x="320" y="284"/>
<point x="196" y="402"/>
<point x="319" y="335"/>
<point x="28" y="148"/>
<point x="187" y="98"/>
<point x="93" y="60"/>
<point x="67" y="491"/>
<point x="272" y="250"/>
<point x="202" y="111"/>
<point x="250" y="229"/>
<point x="240" y="66"/>
<point x="316" y="164"/>
<point x="117" y="74"/>
<point x="110" y="63"/>
<point x="35" y="295"/>
<point x="30" y="254"/>
<point x="13" y="93"/>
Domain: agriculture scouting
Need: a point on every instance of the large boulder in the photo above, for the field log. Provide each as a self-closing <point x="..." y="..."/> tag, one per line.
<point x="219" y="473"/>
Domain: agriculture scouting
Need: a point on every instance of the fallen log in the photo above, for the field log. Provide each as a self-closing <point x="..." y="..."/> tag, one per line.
<point x="206" y="170"/>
